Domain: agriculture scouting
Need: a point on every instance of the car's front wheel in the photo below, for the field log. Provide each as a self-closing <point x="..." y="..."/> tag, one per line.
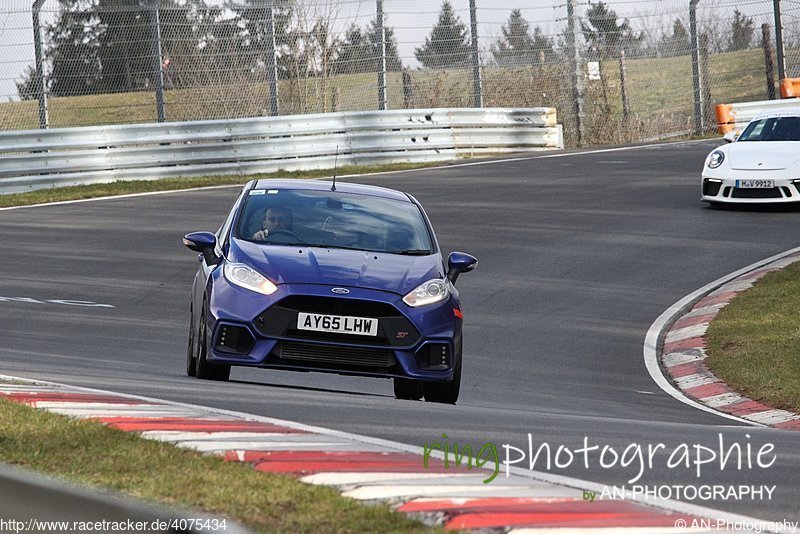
<point x="205" y="369"/>
<point x="445" y="392"/>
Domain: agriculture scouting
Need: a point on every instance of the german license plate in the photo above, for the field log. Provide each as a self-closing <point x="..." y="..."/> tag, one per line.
<point x="755" y="184"/>
<point x="340" y="324"/>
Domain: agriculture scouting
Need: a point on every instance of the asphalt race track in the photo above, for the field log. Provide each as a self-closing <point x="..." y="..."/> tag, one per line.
<point x="579" y="254"/>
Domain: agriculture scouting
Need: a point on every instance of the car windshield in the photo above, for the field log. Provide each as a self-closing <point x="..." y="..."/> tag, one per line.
<point x="333" y="219"/>
<point x="772" y="129"/>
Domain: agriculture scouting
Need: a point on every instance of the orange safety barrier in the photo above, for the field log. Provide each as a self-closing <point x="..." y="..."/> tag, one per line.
<point x="725" y="120"/>
<point x="790" y="87"/>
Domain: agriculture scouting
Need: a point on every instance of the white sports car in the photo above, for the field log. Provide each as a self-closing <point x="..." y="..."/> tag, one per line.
<point x="762" y="165"/>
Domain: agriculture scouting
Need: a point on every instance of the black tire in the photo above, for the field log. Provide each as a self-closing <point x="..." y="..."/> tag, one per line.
<point x="191" y="350"/>
<point x="205" y="369"/>
<point x="445" y="392"/>
<point x="408" y="389"/>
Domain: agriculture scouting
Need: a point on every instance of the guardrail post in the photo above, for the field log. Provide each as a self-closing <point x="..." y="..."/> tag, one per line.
<point x="477" y="90"/>
<point x="41" y="86"/>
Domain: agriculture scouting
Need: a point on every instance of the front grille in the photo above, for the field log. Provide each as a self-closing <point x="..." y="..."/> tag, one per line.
<point x="336" y="355"/>
<point x="280" y="320"/>
<point x="772" y="192"/>
<point x="339" y="306"/>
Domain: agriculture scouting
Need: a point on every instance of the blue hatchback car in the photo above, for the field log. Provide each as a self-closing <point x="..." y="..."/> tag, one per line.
<point x="322" y="276"/>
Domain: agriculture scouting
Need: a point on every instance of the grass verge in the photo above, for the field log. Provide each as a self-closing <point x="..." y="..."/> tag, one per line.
<point x="753" y="343"/>
<point x="80" y="192"/>
<point x="93" y="454"/>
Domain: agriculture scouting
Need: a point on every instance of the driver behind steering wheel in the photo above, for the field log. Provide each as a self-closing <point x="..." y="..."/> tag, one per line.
<point x="275" y="218"/>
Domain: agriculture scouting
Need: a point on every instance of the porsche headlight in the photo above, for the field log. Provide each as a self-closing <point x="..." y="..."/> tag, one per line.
<point x="715" y="159"/>
<point x="430" y="292"/>
<point x="243" y="276"/>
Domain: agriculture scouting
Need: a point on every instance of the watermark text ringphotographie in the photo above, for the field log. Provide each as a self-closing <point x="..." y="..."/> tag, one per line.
<point x="635" y="458"/>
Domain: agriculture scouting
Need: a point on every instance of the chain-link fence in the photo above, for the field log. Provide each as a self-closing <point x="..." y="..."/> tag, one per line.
<point x="617" y="71"/>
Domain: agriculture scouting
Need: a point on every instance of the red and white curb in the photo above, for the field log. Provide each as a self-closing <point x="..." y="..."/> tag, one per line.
<point x="683" y="354"/>
<point x="374" y="470"/>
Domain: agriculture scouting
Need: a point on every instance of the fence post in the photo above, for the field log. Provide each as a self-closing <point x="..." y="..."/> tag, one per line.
<point x="776" y="6"/>
<point x="272" y="66"/>
<point x="705" y="81"/>
<point x="158" y="72"/>
<point x="41" y="86"/>
<point x="626" y="110"/>
<point x="698" y="95"/>
<point x="382" y="66"/>
<point x="477" y="90"/>
<point x="575" y="75"/>
<point x="769" y="67"/>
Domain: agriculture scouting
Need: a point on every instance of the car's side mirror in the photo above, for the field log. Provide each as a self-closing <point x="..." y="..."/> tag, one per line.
<point x="459" y="262"/>
<point x="731" y="136"/>
<point x="204" y="243"/>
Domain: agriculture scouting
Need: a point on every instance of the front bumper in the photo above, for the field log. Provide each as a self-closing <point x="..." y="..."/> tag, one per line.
<point x="248" y="329"/>
<point x="716" y="189"/>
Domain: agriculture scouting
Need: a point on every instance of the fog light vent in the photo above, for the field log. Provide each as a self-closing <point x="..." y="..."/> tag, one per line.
<point x="232" y="338"/>
<point x="434" y="357"/>
<point x="711" y="187"/>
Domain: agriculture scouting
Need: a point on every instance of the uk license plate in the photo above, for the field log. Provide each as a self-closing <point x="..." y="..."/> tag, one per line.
<point x="755" y="184"/>
<point x="340" y="324"/>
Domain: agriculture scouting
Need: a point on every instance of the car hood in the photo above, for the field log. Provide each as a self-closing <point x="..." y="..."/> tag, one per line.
<point x="286" y="264"/>
<point x="763" y="155"/>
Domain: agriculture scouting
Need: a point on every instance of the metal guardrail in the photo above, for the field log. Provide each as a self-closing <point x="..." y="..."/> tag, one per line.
<point x="734" y="117"/>
<point x="36" y="159"/>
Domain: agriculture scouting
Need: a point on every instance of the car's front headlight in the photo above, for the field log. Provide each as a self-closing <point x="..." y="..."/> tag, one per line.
<point x="243" y="276"/>
<point x="430" y="292"/>
<point x="715" y="159"/>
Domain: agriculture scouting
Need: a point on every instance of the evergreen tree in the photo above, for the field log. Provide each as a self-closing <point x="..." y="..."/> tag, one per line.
<point x="252" y="24"/>
<point x="27" y="87"/>
<point x="676" y="44"/>
<point x="126" y="51"/>
<point x="361" y="50"/>
<point x="605" y="37"/>
<point x="447" y="46"/>
<point x="517" y="46"/>
<point x="74" y="51"/>
<point x="393" y="62"/>
<point x="355" y="54"/>
<point x="741" y="31"/>
<point x="107" y="45"/>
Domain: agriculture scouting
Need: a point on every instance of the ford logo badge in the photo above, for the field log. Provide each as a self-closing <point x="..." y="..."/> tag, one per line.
<point x="340" y="290"/>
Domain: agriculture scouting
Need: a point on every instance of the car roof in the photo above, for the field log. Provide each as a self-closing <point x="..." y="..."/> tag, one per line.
<point x="324" y="185"/>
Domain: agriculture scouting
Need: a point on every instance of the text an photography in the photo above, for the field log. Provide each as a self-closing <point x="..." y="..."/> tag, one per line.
<point x="736" y="525"/>
<point x="636" y="459"/>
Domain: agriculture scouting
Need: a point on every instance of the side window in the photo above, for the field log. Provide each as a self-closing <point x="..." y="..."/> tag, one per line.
<point x="224" y="230"/>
